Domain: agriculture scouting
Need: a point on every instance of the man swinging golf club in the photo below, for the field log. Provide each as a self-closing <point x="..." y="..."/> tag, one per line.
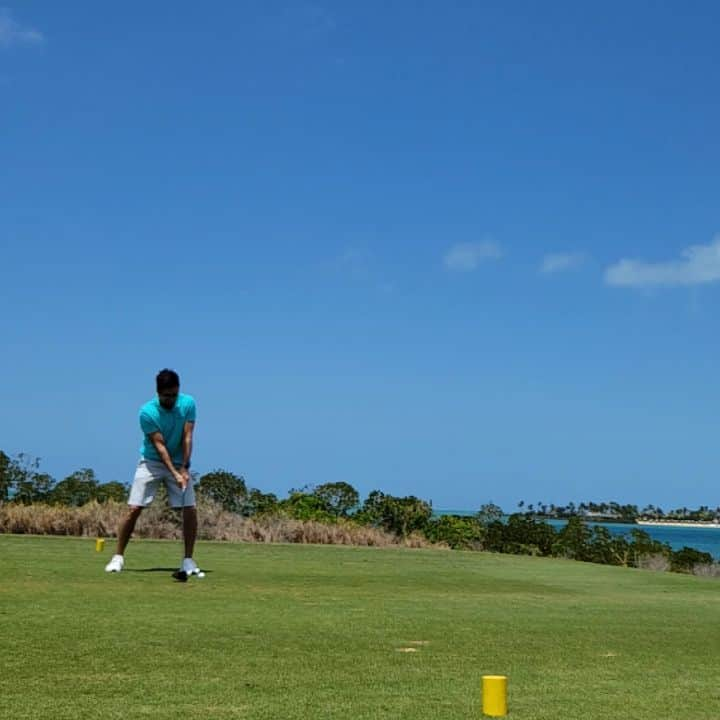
<point x="167" y="423"/>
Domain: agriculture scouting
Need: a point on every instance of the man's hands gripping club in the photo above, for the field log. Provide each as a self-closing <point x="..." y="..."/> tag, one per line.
<point x="182" y="476"/>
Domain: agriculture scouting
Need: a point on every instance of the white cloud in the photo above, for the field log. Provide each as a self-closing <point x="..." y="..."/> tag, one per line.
<point x="11" y="33"/>
<point x="699" y="264"/>
<point x="561" y="261"/>
<point x="465" y="257"/>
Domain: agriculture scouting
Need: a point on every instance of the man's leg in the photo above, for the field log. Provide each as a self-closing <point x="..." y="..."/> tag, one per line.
<point x="189" y="529"/>
<point x="185" y="499"/>
<point x="117" y="562"/>
<point x="126" y="529"/>
<point x="142" y="492"/>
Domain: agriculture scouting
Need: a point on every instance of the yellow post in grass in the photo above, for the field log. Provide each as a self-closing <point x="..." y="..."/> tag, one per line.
<point x="99" y="544"/>
<point x="494" y="695"/>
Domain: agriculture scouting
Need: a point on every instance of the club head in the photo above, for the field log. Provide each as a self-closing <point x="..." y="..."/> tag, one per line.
<point x="180" y="576"/>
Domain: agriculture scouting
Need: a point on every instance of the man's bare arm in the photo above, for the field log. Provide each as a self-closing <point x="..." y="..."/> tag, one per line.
<point x="158" y="441"/>
<point x="187" y="442"/>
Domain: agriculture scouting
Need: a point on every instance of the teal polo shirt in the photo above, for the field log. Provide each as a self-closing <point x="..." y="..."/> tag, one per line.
<point x="155" y="418"/>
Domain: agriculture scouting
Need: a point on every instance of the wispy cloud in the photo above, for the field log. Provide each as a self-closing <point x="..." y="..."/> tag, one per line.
<point x="318" y="18"/>
<point x="465" y="257"/>
<point x="354" y="258"/>
<point x="302" y="21"/>
<point x="361" y="266"/>
<point x="699" y="264"/>
<point x="13" y="34"/>
<point x="560" y="262"/>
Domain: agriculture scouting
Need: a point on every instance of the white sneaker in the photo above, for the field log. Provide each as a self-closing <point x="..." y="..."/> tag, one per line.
<point x="116" y="564"/>
<point x="190" y="567"/>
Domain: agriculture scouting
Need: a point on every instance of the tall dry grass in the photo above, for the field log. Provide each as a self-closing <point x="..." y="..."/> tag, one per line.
<point x="656" y="562"/>
<point x="158" y="521"/>
<point x="92" y="519"/>
<point x="706" y="570"/>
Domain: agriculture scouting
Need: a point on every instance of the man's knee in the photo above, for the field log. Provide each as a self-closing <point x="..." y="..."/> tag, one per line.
<point x="134" y="512"/>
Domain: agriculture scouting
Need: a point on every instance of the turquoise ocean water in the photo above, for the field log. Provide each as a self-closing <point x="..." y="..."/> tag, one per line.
<point x="706" y="539"/>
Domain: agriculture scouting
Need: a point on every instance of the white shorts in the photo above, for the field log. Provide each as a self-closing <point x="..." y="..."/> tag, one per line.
<point x="148" y="476"/>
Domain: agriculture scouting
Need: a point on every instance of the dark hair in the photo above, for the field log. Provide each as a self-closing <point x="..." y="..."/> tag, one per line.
<point x="167" y="379"/>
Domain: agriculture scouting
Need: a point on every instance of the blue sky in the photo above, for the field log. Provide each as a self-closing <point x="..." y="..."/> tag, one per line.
<point x="468" y="251"/>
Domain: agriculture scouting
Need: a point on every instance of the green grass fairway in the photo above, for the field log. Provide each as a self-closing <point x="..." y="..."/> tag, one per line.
<point x="291" y="632"/>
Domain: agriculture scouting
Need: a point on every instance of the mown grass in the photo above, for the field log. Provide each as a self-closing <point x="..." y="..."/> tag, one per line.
<point x="293" y="631"/>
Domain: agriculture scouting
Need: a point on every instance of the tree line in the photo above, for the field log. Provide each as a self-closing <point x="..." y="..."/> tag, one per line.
<point x="617" y="512"/>
<point x="22" y="482"/>
<point x="523" y="533"/>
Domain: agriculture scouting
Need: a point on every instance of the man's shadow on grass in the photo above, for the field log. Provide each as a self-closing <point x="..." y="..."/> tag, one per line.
<point x="157" y="569"/>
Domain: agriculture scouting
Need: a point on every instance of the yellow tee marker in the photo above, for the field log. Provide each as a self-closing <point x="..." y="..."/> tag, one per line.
<point x="99" y="544"/>
<point x="494" y="695"/>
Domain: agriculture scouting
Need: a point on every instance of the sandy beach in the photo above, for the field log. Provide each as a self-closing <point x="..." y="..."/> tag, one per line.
<point x="669" y="523"/>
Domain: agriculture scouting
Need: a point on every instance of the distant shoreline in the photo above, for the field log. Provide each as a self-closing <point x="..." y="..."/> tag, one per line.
<point x="680" y="523"/>
<point x="600" y="520"/>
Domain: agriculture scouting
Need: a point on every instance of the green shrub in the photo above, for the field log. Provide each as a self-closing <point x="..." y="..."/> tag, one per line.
<point x="463" y="533"/>
<point x="574" y="541"/>
<point x="400" y="515"/>
<point x="111" y="491"/>
<point x="77" y="489"/>
<point x="304" y="506"/>
<point x="339" y="498"/>
<point x="685" y="559"/>
<point x="225" y="488"/>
